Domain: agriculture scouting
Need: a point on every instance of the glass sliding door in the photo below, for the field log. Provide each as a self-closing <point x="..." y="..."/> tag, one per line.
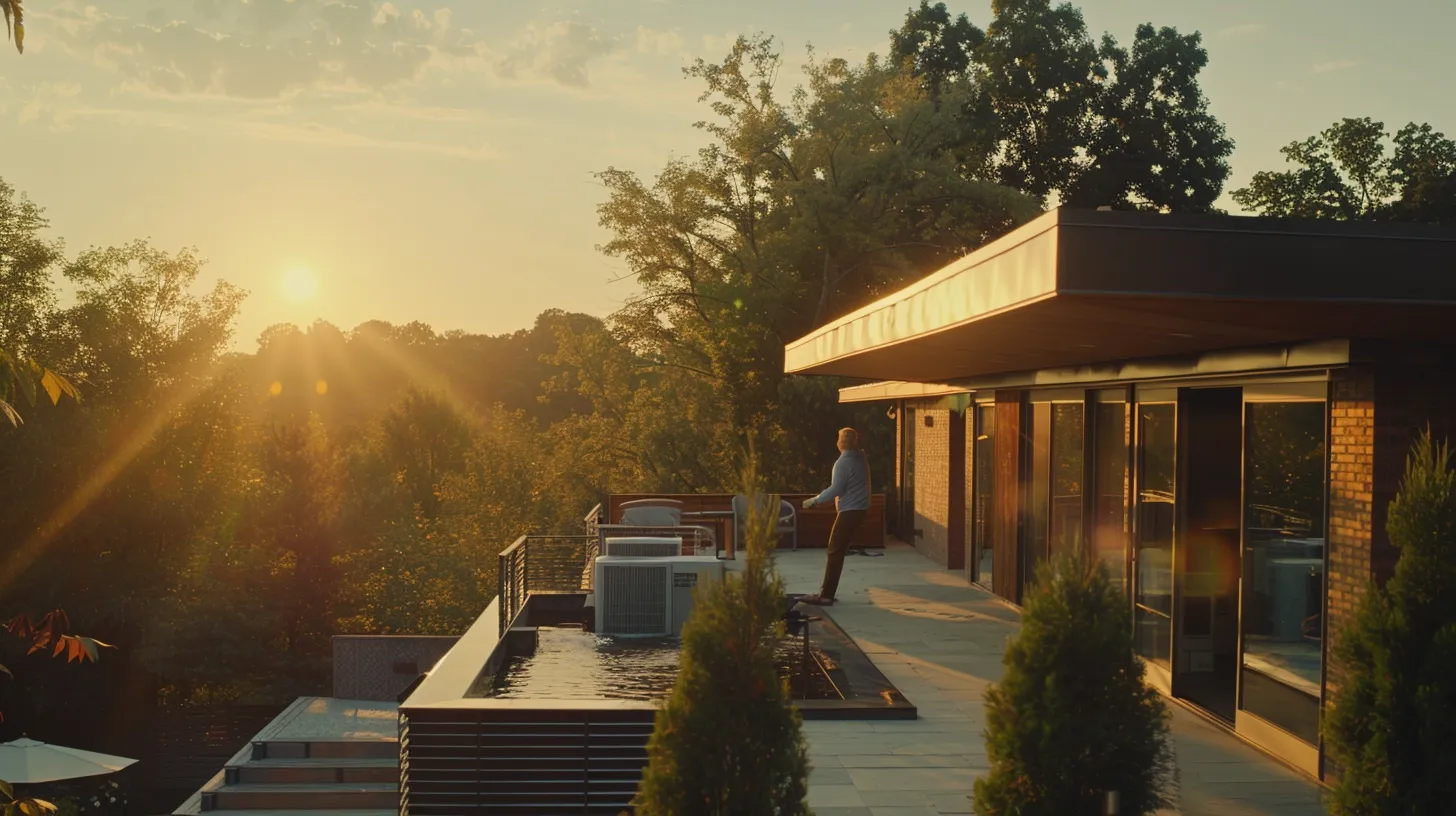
<point x="1111" y="488"/>
<point x="1034" y="544"/>
<point x="1285" y="467"/>
<point x="1068" y="436"/>
<point x="983" y="471"/>
<point x="1157" y="452"/>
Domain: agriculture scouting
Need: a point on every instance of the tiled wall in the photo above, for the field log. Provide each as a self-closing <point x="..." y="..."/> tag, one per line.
<point x="932" y="480"/>
<point x="379" y="667"/>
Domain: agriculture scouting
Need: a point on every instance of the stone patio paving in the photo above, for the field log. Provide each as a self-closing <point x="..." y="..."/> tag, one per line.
<point x="940" y="641"/>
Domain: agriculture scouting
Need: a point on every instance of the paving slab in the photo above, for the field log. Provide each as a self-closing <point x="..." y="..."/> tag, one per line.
<point x="940" y="641"/>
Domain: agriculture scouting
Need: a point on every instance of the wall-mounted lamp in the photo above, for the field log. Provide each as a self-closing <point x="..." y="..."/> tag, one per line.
<point x="929" y="421"/>
<point x="891" y="412"/>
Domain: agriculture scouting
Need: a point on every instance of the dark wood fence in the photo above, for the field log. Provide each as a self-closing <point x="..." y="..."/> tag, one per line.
<point x="189" y="745"/>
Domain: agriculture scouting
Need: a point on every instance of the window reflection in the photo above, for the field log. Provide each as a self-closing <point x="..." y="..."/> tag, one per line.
<point x="1068" y="428"/>
<point x="1034" y="551"/>
<point x="1157" y="452"/>
<point x="1284" y="545"/>
<point x="1109" y="534"/>
<point x="982" y="474"/>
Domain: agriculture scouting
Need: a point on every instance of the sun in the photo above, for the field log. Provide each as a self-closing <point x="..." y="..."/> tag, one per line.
<point x="299" y="284"/>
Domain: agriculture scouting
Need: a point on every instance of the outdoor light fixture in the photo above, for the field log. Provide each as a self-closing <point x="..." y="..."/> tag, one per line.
<point x="929" y="421"/>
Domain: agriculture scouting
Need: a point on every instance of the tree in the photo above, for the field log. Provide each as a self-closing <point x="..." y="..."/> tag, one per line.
<point x="14" y="12"/>
<point x="936" y="47"/>
<point x="51" y="636"/>
<point x="24" y="378"/>
<point x="795" y="211"/>
<point x="1061" y="115"/>
<point x="728" y="739"/>
<point x="1389" y="731"/>
<point x="1071" y="718"/>
<point x="1346" y="172"/>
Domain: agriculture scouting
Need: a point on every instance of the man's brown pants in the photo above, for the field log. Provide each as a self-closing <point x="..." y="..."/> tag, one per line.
<point x="846" y="523"/>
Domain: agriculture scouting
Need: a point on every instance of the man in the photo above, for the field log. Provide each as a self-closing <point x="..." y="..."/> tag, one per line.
<point x="850" y="490"/>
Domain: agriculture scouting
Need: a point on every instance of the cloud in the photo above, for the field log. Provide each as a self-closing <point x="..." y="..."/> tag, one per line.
<point x="266" y="49"/>
<point x="661" y="43"/>
<point x="52" y="105"/>
<point x="336" y="137"/>
<point x="716" y="46"/>
<point x="1332" y="66"/>
<point x="1239" y="31"/>
<point x="561" y="51"/>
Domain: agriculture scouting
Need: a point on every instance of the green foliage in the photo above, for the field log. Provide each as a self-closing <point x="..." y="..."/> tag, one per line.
<point x="1389" y="731"/>
<point x="14" y="22"/>
<point x="26" y="378"/>
<point x="1346" y="172"/>
<point x="10" y="805"/>
<point x="728" y="740"/>
<point x="1071" y="717"/>
<point x="1054" y="113"/>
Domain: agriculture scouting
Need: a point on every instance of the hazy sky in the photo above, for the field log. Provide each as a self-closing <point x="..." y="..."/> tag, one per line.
<point x="433" y="160"/>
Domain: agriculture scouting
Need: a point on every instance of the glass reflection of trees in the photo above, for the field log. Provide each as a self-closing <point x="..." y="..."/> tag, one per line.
<point x="983" y="474"/>
<point x="1068" y="430"/>
<point x="1110" y="519"/>
<point x="1284" y="538"/>
<point x="1157" y="452"/>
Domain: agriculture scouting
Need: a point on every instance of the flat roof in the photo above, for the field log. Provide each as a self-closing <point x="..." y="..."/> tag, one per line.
<point x="1081" y="287"/>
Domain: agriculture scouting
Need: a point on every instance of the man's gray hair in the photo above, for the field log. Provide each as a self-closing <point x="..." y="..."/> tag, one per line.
<point x="849" y="439"/>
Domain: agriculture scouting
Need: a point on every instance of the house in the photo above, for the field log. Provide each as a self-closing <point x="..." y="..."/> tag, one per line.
<point x="1219" y="408"/>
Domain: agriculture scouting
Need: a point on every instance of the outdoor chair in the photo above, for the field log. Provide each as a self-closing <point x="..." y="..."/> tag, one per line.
<point x="788" y="520"/>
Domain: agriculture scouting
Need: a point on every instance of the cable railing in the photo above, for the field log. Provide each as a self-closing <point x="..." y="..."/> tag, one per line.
<point x="542" y="564"/>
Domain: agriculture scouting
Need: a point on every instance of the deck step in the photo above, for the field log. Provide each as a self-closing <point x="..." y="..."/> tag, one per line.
<point x="255" y="796"/>
<point x="326" y="749"/>
<point x="315" y="771"/>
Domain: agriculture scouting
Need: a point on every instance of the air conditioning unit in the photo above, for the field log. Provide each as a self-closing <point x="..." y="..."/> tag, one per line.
<point x="689" y="571"/>
<point x="643" y="546"/>
<point x="648" y="597"/>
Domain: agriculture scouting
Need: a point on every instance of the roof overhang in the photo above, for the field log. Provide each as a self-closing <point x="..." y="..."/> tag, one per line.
<point x="1079" y="288"/>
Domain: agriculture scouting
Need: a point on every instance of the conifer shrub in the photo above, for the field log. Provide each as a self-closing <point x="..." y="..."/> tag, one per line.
<point x="728" y="740"/>
<point x="1390" y="730"/>
<point x="1071" y="718"/>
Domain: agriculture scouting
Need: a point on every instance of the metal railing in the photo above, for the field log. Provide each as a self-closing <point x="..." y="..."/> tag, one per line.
<point x="536" y="564"/>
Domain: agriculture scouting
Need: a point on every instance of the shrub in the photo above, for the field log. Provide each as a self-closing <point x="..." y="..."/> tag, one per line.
<point x="728" y="740"/>
<point x="1071" y="718"/>
<point x="1391" y="729"/>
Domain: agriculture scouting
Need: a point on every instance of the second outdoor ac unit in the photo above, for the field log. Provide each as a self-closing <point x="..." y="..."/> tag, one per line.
<point x="647" y="597"/>
<point x="689" y="572"/>
<point x="643" y="546"/>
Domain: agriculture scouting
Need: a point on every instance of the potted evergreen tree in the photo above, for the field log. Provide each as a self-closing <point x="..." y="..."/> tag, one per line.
<point x="728" y="740"/>
<point x="1071" y="720"/>
<point x="1390" y="732"/>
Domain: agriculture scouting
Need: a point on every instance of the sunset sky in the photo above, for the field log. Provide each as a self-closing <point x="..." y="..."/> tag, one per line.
<point x="418" y="161"/>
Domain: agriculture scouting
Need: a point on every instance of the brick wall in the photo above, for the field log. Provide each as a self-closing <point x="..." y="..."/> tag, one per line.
<point x="932" y="480"/>
<point x="1352" y="462"/>
<point x="1378" y="408"/>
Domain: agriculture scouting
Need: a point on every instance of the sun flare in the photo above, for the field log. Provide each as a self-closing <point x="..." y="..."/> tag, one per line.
<point x="299" y="284"/>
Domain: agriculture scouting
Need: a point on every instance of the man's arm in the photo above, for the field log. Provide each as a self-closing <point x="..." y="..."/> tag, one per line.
<point x="836" y="484"/>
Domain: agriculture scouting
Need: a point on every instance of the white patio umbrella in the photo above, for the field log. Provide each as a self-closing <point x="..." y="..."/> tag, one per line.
<point x="27" y="761"/>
